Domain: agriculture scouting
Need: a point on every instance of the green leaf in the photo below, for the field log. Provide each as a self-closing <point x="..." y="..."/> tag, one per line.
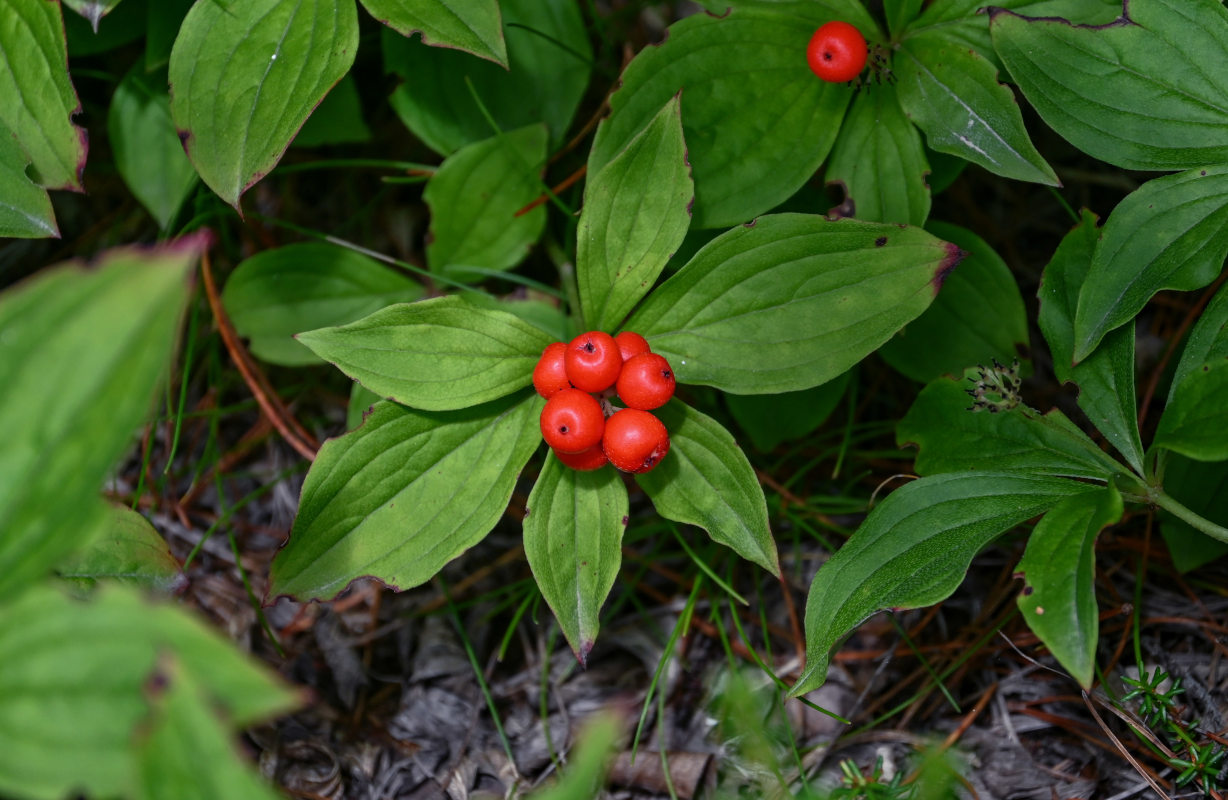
<point x="403" y="495"/>
<point x="1172" y="233"/>
<point x="245" y="76"/>
<point x="337" y="120"/>
<point x="474" y="197"/>
<point x="92" y="10"/>
<point x="706" y="480"/>
<point x="183" y="734"/>
<point x="636" y="214"/>
<point x="278" y="293"/>
<point x="37" y="99"/>
<point x="127" y="549"/>
<point x="573" y="533"/>
<point x="1106" y="377"/>
<point x="1197" y="411"/>
<point x="1058" y="568"/>
<point x="162" y="22"/>
<point x="588" y="763"/>
<point x="810" y="13"/>
<point x="977" y="317"/>
<point x="952" y="93"/>
<point x="83" y="351"/>
<point x="1147" y="92"/>
<point x="900" y="13"/>
<point x="771" y="419"/>
<point x="72" y="676"/>
<point x="1203" y="489"/>
<point x="913" y="550"/>
<point x="147" y="149"/>
<point x="438" y="355"/>
<point x="791" y="301"/>
<point x="880" y="161"/>
<point x="757" y="121"/>
<point x="953" y="438"/>
<point x="1195" y="421"/>
<point x="362" y="401"/>
<point x="25" y="207"/>
<point x="549" y="58"/>
<point x="1207" y="343"/>
<point x="474" y="26"/>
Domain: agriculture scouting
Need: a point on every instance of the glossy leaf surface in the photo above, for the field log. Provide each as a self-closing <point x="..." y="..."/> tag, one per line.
<point x="1195" y="421"/>
<point x="72" y="680"/>
<point x="636" y="213"/>
<point x="953" y="95"/>
<point x="25" y="208"/>
<point x="573" y="533"/>
<point x="791" y="301"/>
<point x="474" y="26"/>
<point x="81" y="354"/>
<point x="706" y="480"/>
<point x="1106" y="377"/>
<point x="880" y="161"/>
<point x="1207" y="343"/>
<point x="439" y="355"/>
<point x="549" y="58"/>
<point x="147" y="149"/>
<point x="403" y="495"/>
<point x="757" y="121"/>
<point x="37" y="99"/>
<point x="1058" y="568"/>
<point x="913" y="550"/>
<point x="1150" y="92"/>
<point x="1172" y="233"/>
<point x="977" y="317"/>
<point x="952" y="438"/>
<point x="245" y="77"/>
<point x="278" y="293"/>
<point x="474" y="197"/>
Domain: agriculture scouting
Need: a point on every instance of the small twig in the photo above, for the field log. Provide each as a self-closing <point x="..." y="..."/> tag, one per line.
<point x="566" y="183"/>
<point x="1121" y="748"/>
<point x="270" y="403"/>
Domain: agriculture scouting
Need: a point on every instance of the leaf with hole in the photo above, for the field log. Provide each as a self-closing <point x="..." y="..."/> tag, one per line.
<point x="791" y="301"/>
<point x="25" y="207"/>
<point x="439" y="355"/>
<point x="636" y="214"/>
<point x="245" y="77"/>
<point x="706" y="480"/>
<point x="403" y="495"/>
<point x="37" y="99"/>
<point x="1058" y="600"/>
<point x="278" y="293"/>
<point x="573" y="531"/>
<point x="913" y="549"/>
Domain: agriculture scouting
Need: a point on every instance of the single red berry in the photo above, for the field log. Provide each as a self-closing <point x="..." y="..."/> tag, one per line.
<point x="591" y="459"/>
<point x="572" y="421"/>
<point x="634" y="440"/>
<point x="549" y="376"/>
<point x="646" y="382"/>
<point x="837" y="52"/>
<point x="593" y="361"/>
<point x="631" y="344"/>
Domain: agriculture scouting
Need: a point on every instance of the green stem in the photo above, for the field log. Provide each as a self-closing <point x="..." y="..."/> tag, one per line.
<point x="1170" y="504"/>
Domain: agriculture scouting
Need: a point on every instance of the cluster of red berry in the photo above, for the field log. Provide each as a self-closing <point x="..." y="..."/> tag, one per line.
<point x="574" y="422"/>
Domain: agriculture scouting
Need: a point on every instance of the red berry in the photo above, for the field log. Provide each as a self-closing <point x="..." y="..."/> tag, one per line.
<point x="837" y="52"/>
<point x="646" y="382"/>
<point x="631" y="344"/>
<point x="549" y="376"/>
<point x="572" y="421"/>
<point x="593" y="361"/>
<point x="591" y="459"/>
<point x="634" y="440"/>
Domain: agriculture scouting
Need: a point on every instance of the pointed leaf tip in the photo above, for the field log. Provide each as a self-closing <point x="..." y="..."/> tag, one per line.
<point x="954" y="255"/>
